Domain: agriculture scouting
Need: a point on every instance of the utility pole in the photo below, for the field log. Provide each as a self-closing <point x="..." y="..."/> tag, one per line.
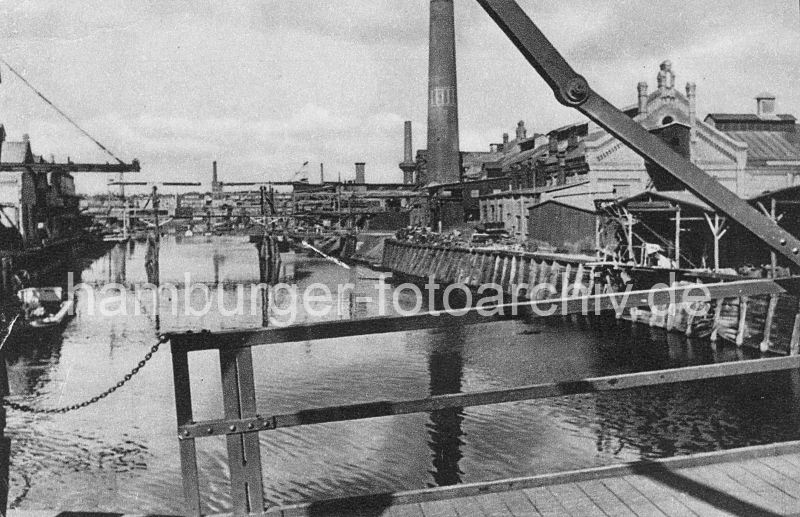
<point x="264" y="260"/>
<point x="156" y="239"/>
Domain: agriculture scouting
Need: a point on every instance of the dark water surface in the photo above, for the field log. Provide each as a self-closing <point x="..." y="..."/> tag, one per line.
<point x="122" y="454"/>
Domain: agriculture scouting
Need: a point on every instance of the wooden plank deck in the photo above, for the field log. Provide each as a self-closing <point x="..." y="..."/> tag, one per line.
<point x="752" y="481"/>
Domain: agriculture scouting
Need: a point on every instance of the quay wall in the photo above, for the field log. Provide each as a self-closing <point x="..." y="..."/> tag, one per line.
<point x="770" y="324"/>
<point x="477" y="266"/>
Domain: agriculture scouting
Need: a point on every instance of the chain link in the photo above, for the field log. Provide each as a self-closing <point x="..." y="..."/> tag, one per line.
<point x="66" y="409"/>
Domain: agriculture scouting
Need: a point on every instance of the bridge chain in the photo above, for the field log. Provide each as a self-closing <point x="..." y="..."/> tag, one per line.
<point x="86" y="403"/>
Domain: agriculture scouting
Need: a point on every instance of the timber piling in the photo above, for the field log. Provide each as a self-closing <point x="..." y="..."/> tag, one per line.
<point x="769" y="323"/>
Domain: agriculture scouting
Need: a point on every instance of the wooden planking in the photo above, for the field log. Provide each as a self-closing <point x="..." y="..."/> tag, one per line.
<point x="442" y="508"/>
<point x="780" y="464"/>
<point x="694" y="485"/>
<point x="632" y="498"/>
<point x="404" y="510"/>
<point x="725" y="492"/>
<point x="468" y="507"/>
<point x="665" y="500"/>
<point x="545" y="502"/>
<point x="605" y="499"/>
<point x="519" y="504"/>
<point x="574" y="500"/>
<point x="492" y="505"/>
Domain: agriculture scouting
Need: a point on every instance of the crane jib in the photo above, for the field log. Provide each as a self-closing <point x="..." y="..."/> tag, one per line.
<point x="572" y="90"/>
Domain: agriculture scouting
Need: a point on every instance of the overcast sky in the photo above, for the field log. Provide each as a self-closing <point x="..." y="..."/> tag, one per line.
<point x="263" y="86"/>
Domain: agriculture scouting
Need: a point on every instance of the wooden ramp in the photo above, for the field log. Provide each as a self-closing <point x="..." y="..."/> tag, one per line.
<point x="753" y="481"/>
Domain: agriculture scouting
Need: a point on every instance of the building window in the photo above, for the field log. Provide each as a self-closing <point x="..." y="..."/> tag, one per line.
<point x="475" y="194"/>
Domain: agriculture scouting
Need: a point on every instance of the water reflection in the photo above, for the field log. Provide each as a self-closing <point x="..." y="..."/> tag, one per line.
<point x="446" y="367"/>
<point x="218" y="259"/>
<point x="121" y="454"/>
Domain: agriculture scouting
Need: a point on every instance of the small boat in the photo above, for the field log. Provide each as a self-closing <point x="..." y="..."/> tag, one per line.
<point x="44" y="308"/>
<point x="116" y="237"/>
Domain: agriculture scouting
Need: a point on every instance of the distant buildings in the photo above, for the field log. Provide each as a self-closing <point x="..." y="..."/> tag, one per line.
<point x="574" y="166"/>
<point x="36" y="207"/>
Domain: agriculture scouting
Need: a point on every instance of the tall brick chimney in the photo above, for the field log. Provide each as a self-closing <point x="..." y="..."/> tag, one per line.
<point x="216" y="186"/>
<point x="361" y="172"/>
<point x="443" y="146"/>
<point x="408" y="166"/>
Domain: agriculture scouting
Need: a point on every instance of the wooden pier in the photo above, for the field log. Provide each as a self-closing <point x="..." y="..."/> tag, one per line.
<point x="769" y="323"/>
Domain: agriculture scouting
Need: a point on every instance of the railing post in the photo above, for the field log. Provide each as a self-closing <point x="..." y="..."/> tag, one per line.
<point x="183" y="408"/>
<point x="244" y="452"/>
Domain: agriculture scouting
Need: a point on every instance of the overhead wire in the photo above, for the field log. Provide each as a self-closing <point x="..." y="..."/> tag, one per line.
<point x="59" y="111"/>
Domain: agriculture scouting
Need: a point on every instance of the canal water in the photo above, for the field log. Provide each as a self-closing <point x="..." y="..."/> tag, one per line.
<point x="121" y="454"/>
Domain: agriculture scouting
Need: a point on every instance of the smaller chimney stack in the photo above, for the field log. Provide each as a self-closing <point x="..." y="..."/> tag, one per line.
<point x="361" y="172"/>
<point x="216" y="187"/>
<point x="408" y="156"/>
<point x="505" y="139"/>
<point x="766" y="105"/>
<point x="691" y="95"/>
<point x="642" y="87"/>
<point x="409" y="166"/>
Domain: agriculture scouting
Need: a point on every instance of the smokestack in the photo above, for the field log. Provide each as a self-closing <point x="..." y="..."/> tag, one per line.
<point x="443" y="147"/>
<point x="322" y="173"/>
<point x="642" y="87"/>
<point x="216" y="186"/>
<point x="409" y="146"/>
<point x="408" y="166"/>
<point x="361" y="172"/>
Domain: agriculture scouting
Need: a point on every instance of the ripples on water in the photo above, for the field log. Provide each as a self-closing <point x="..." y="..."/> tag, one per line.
<point x="121" y="454"/>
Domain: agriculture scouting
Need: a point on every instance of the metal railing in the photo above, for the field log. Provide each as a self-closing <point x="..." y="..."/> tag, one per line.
<point x="241" y="424"/>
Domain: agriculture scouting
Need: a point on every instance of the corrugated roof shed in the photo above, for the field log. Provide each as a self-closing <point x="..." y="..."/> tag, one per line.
<point x="768" y="145"/>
